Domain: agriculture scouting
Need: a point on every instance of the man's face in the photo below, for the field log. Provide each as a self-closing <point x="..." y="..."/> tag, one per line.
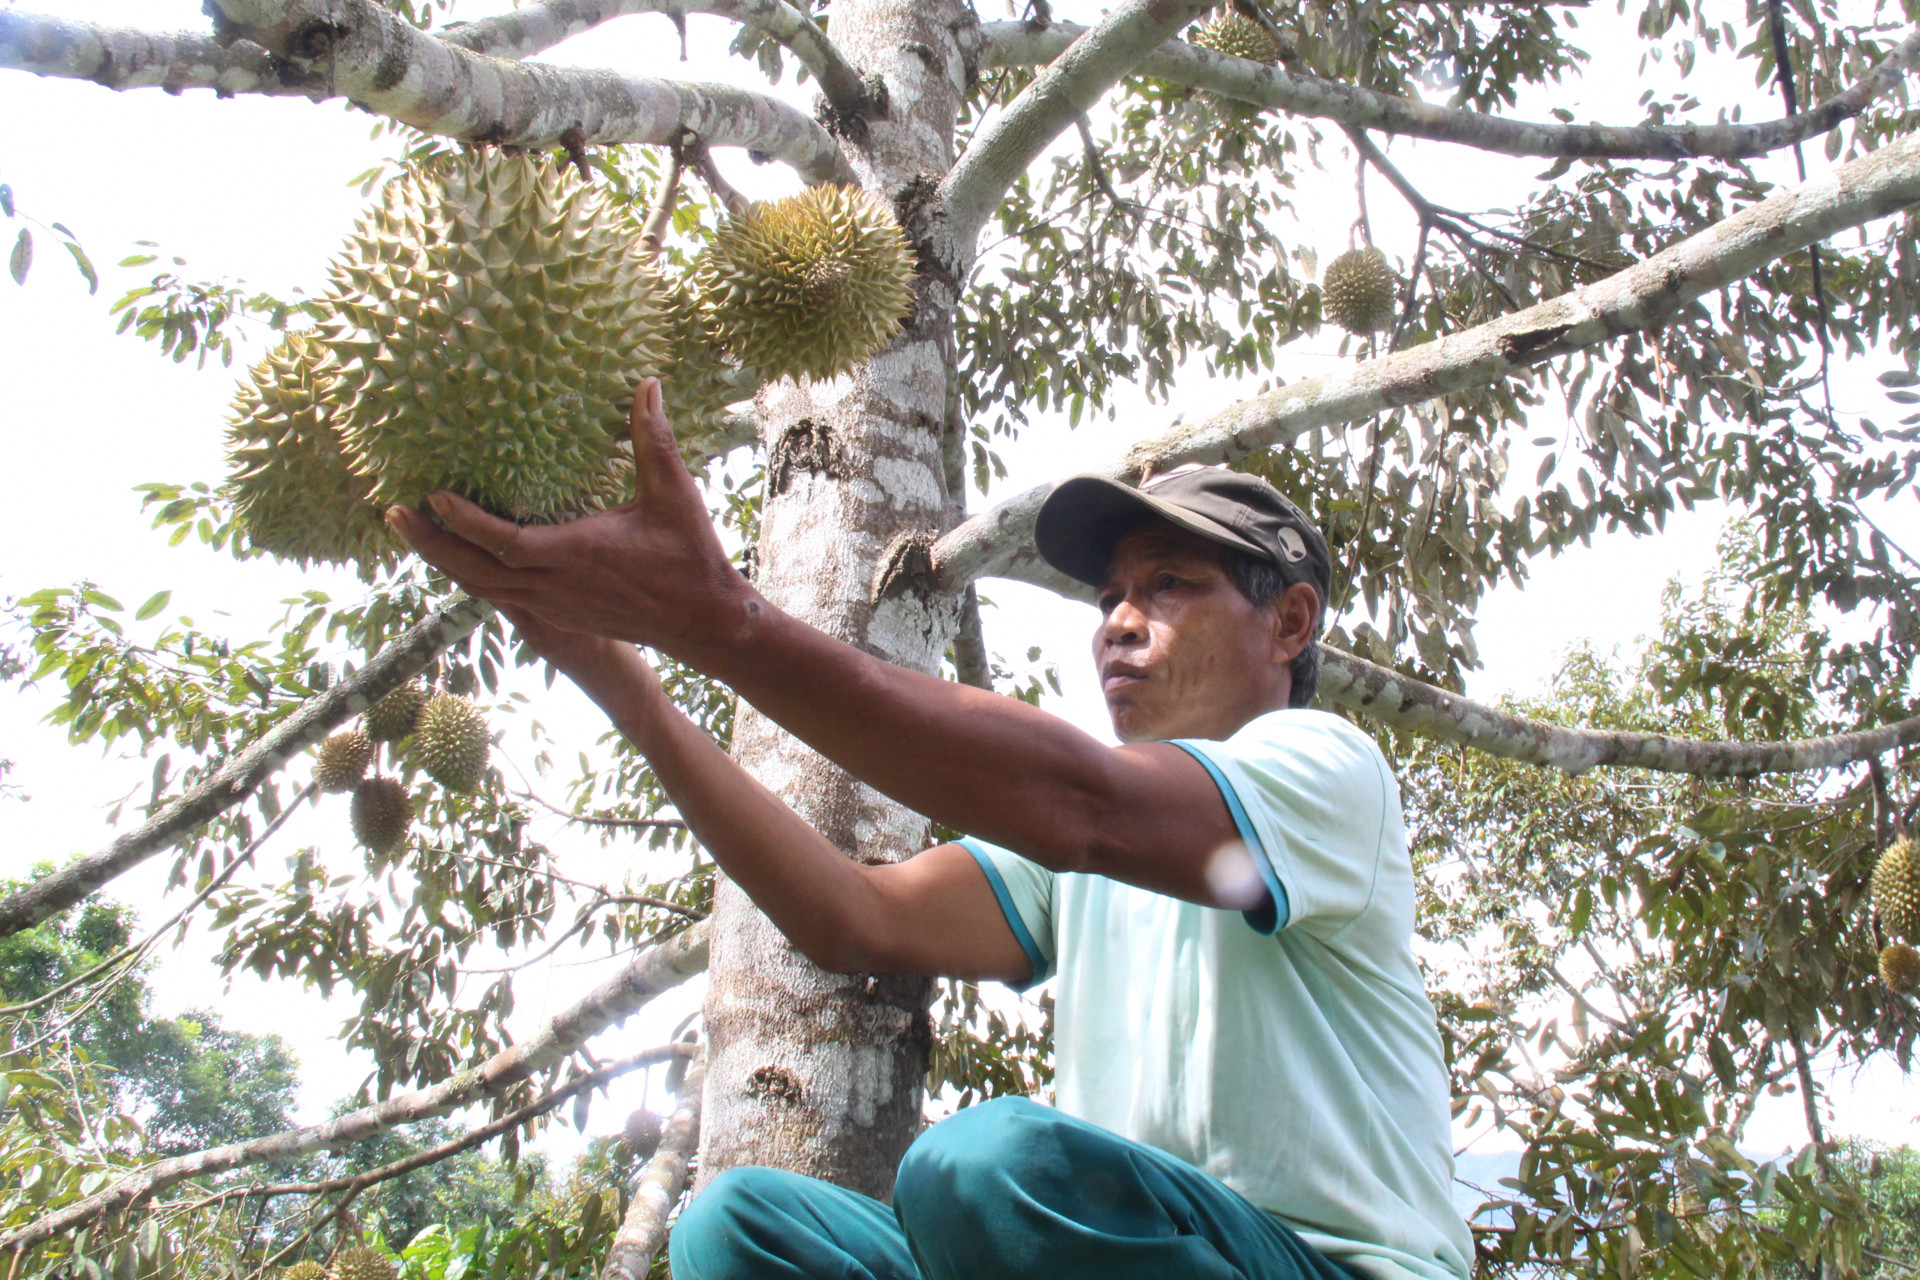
<point x="1180" y="653"/>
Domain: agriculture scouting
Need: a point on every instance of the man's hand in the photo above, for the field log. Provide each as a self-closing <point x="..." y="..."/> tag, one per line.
<point x="650" y="571"/>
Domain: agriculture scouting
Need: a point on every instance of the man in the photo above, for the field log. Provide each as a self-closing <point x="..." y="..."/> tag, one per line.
<point x="1248" y="1078"/>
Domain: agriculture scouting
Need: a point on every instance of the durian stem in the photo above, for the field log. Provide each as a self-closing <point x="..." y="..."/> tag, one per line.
<point x="701" y="159"/>
<point x="1017" y="44"/>
<point x="660" y="217"/>
<point x="658" y="968"/>
<point x="401" y="660"/>
<point x="660" y="1187"/>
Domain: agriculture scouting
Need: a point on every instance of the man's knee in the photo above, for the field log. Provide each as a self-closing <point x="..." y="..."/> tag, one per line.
<point x="958" y="1168"/>
<point x="710" y="1239"/>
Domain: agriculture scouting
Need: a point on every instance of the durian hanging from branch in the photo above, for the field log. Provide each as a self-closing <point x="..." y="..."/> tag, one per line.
<point x="1359" y="292"/>
<point x="812" y="285"/>
<point x="1237" y="36"/>
<point x="485" y="328"/>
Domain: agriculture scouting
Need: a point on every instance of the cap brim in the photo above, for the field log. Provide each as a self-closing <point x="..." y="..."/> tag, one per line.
<point x="1083" y="517"/>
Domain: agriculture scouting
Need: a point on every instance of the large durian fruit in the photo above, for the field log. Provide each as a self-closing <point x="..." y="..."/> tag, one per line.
<point x="305" y="1269"/>
<point x="1237" y="36"/>
<point x="1896" y="890"/>
<point x="1359" y="291"/>
<point x="294" y="492"/>
<point x="811" y="285"/>
<point x="484" y="330"/>
<point x="493" y="315"/>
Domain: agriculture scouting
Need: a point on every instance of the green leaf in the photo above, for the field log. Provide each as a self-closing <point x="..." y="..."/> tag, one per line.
<point x="155" y="603"/>
<point x="22" y="256"/>
<point x="85" y="264"/>
<point x="101" y="600"/>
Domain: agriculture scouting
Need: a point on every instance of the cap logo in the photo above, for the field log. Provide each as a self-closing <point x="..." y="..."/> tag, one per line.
<point x="1292" y="545"/>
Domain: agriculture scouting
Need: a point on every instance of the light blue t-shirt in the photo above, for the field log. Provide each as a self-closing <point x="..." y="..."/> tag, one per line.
<point x="1301" y="1067"/>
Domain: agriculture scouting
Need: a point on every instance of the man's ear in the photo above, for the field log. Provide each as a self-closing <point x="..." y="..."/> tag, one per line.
<point x="1296" y="611"/>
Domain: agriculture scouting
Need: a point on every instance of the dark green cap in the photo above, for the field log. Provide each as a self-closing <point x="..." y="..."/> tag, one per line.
<point x="1083" y="517"/>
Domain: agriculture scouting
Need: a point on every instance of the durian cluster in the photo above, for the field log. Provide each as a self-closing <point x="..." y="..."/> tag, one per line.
<point x="485" y="326"/>
<point x="1896" y="901"/>
<point x="443" y="734"/>
<point x="1359" y="291"/>
<point x="348" y="1264"/>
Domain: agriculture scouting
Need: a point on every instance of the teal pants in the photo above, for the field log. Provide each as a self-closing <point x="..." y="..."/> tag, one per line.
<point x="1006" y="1190"/>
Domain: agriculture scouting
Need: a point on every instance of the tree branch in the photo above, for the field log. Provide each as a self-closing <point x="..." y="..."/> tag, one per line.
<point x="1082" y="69"/>
<point x="134" y="950"/>
<point x="535" y="27"/>
<point x="1015" y="44"/>
<point x="999" y="542"/>
<point x="123" y="58"/>
<point x="355" y="48"/>
<point x="658" y="968"/>
<point x="1415" y="707"/>
<point x="359" y="1182"/>
<point x="661" y="1185"/>
<point x="402" y="659"/>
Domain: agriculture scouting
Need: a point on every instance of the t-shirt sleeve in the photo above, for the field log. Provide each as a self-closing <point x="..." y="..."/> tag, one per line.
<point x="1025" y="892"/>
<point x="1313" y="799"/>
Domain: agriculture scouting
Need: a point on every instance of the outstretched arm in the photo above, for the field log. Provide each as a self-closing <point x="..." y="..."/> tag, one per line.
<point x="653" y="572"/>
<point x="934" y="914"/>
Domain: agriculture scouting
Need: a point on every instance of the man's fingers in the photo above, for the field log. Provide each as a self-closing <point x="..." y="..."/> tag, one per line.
<point x="510" y="543"/>
<point x="657" y="465"/>
<point x="470" y="565"/>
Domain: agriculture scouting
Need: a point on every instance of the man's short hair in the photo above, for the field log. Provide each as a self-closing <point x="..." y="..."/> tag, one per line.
<point x="1261" y="582"/>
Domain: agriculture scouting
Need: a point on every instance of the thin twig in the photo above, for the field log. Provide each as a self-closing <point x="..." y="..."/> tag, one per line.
<point x="594" y="820"/>
<point x="1097" y="169"/>
<point x="700" y="160"/>
<point x="660" y="218"/>
<point x="359" y="1182"/>
<point x="134" y="950"/>
<point x="1580" y="998"/>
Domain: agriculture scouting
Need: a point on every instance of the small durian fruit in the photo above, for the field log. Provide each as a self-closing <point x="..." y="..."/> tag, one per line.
<point x="1237" y="36"/>
<point x="642" y="1133"/>
<point x="450" y="742"/>
<point x="1359" y="291"/>
<point x="811" y="285"/>
<point x="342" y="761"/>
<point x="1896" y="890"/>
<point x="1900" y="968"/>
<point x="382" y="814"/>
<point x="305" y="1269"/>
<point x="295" y="495"/>
<point x="392" y="718"/>
<point x="364" y="1264"/>
<point x="489" y="319"/>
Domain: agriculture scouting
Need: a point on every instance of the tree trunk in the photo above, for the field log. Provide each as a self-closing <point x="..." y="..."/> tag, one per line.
<point x="810" y="1071"/>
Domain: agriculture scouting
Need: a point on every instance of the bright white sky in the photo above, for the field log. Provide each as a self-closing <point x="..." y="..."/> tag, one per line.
<point x="257" y="189"/>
